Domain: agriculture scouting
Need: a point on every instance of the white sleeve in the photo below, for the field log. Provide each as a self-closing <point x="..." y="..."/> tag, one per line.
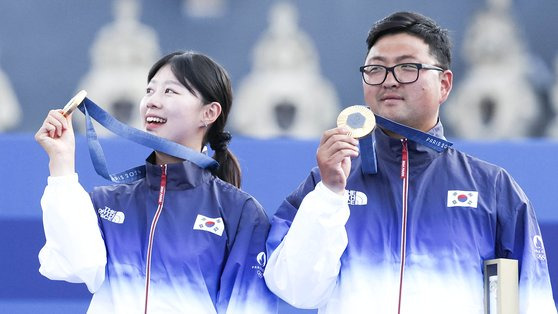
<point x="303" y="270"/>
<point x="74" y="250"/>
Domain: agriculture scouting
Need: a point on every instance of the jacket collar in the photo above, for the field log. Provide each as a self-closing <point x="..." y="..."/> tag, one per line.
<point x="389" y="148"/>
<point x="180" y="176"/>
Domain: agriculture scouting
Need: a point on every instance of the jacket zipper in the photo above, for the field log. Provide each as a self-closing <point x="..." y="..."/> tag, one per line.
<point x="160" y="202"/>
<point x="405" y="178"/>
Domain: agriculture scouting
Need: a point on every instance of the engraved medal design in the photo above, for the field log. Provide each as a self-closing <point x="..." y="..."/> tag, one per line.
<point x="358" y="119"/>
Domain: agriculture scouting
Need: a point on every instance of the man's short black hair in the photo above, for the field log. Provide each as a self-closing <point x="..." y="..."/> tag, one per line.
<point x="418" y="25"/>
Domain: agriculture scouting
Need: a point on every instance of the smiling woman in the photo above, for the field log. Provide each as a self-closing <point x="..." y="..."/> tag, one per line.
<point x="185" y="104"/>
<point x="180" y="239"/>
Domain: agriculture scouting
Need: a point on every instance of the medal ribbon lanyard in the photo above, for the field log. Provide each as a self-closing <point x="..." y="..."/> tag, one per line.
<point x="92" y="110"/>
<point x="368" y="145"/>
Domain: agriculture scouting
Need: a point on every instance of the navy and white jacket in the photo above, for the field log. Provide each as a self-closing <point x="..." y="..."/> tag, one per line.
<point x="412" y="237"/>
<point x="177" y="241"/>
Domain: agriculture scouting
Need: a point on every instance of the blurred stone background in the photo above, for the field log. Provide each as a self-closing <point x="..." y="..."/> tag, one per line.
<point x="294" y="64"/>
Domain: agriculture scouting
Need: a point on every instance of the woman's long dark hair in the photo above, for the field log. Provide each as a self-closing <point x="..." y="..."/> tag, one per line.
<point x="204" y="77"/>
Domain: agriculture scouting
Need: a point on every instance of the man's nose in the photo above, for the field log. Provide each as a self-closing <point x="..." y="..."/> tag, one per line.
<point x="390" y="78"/>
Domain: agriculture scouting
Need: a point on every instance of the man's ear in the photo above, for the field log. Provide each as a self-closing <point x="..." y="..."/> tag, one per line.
<point x="446" y="84"/>
<point x="211" y="112"/>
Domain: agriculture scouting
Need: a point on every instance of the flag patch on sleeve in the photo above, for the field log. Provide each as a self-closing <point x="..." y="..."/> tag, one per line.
<point x="463" y="198"/>
<point x="213" y="225"/>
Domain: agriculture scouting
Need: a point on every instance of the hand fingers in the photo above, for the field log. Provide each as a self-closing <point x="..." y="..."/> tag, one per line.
<point x="337" y="156"/>
<point x="337" y="141"/>
<point x="335" y="146"/>
<point x="68" y="120"/>
<point x="329" y="133"/>
<point x="64" y="120"/>
<point x="335" y="135"/>
<point x="50" y="129"/>
<point x="55" y="123"/>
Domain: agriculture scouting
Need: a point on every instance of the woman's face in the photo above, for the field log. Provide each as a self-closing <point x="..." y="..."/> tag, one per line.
<point x="170" y="111"/>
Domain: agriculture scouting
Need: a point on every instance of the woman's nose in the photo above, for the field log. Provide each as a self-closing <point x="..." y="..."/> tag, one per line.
<point x="153" y="101"/>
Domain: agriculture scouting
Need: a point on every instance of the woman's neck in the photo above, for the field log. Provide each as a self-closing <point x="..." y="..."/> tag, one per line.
<point x="162" y="158"/>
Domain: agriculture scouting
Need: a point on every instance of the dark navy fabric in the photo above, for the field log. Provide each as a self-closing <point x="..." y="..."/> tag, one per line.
<point x="446" y="245"/>
<point x="188" y="265"/>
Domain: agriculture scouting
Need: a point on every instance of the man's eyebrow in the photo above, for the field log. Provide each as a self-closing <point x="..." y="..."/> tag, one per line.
<point x="398" y="59"/>
<point x="404" y="57"/>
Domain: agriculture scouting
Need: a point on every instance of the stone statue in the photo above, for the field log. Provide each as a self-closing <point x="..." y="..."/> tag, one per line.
<point x="121" y="55"/>
<point x="285" y="94"/>
<point x="495" y="100"/>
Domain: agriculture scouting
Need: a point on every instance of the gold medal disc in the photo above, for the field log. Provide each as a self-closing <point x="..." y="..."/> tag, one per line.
<point x="358" y="119"/>
<point x="74" y="103"/>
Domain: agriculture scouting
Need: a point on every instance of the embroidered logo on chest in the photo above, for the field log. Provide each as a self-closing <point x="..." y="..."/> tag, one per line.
<point x="356" y="197"/>
<point x="458" y="198"/>
<point x="213" y="225"/>
<point x="111" y="215"/>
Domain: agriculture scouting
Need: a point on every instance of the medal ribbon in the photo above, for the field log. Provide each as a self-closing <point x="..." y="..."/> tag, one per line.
<point x="92" y="110"/>
<point x="368" y="145"/>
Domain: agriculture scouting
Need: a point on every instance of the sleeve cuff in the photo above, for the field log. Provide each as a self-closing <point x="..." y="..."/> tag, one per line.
<point x="328" y="196"/>
<point x="325" y="205"/>
<point x="59" y="180"/>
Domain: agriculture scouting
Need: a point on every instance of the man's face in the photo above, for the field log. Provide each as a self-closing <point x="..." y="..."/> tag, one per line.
<point x="416" y="104"/>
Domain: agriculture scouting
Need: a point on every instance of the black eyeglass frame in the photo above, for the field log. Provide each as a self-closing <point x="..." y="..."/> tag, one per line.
<point x="419" y="66"/>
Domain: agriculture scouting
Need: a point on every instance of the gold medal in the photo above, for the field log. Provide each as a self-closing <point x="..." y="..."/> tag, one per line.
<point x="358" y="119"/>
<point x="74" y="103"/>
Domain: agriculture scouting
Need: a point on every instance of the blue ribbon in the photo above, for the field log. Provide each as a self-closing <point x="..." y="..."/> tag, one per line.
<point x="368" y="145"/>
<point x="92" y="110"/>
<point x="436" y="143"/>
<point x="368" y="154"/>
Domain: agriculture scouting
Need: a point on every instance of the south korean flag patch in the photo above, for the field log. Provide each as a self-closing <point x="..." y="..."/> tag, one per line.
<point x="458" y="198"/>
<point x="213" y="225"/>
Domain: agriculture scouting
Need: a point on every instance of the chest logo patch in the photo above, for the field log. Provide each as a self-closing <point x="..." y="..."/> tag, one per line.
<point x="356" y="197"/>
<point x="213" y="225"/>
<point x="458" y="198"/>
<point x="111" y="215"/>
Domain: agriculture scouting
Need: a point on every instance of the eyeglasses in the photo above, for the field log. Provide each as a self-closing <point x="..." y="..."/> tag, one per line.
<point x="404" y="73"/>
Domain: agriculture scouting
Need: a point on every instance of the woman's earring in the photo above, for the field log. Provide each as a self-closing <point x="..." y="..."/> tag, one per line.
<point x="204" y="124"/>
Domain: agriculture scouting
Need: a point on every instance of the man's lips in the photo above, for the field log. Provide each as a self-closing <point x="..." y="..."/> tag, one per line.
<point x="390" y="97"/>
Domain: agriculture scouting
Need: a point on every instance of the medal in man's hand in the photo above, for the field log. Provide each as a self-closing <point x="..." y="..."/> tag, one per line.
<point x="359" y="120"/>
